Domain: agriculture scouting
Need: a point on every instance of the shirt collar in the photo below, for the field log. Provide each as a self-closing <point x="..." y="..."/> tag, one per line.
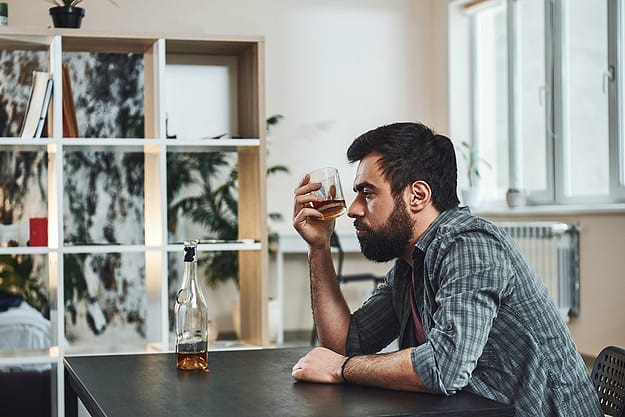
<point x="430" y="233"/>
<point x="428" y="236"/>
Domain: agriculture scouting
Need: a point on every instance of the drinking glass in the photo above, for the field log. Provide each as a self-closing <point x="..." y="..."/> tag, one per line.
<point x="333" y="203"/>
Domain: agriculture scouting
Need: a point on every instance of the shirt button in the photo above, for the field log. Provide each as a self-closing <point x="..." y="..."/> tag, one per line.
<point x="449" y="326"/>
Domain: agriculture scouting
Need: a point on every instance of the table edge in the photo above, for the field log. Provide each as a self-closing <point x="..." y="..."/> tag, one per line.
<point x="80" y="390"/>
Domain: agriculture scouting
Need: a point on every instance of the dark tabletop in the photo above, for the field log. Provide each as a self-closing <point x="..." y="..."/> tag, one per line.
<point x="242" y="383"/>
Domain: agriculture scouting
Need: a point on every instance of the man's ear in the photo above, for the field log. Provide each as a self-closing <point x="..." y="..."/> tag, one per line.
<point x="420" y="195"/>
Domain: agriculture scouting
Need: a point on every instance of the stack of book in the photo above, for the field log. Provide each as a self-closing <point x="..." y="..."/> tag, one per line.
<point x="39" y="104"/>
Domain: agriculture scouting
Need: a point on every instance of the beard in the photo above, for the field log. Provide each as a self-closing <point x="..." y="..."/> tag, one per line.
<point x="390" y="240"/>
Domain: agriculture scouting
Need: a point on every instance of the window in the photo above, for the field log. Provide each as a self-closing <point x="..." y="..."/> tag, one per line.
<point x="546" y="96"/>
<point x="616" y="74"/>
<point x="490" y="90"/>
<point x="530" y="60"/>
<point x="585" y="88"/>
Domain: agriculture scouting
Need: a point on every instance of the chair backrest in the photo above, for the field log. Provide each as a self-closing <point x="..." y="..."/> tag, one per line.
<point x="336" y="244"/>
<point x="608" y="378"/>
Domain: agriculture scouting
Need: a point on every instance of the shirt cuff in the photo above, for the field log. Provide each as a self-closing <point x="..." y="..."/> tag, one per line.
<point x="424" y="364"/>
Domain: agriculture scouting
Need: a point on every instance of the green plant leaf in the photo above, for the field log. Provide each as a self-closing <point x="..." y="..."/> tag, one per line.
<point x="473" y="160"/>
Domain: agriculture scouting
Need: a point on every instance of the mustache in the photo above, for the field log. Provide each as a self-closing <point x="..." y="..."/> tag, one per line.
<point x="361" y="226"/>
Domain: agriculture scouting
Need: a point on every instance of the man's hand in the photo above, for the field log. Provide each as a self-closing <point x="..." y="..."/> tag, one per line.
<point x="389" y="370"/>
<point x="307" y="220"/>
<point x="319" y="365"/>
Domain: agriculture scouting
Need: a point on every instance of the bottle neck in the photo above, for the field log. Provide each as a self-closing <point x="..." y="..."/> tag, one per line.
<point x="190" y="273"/>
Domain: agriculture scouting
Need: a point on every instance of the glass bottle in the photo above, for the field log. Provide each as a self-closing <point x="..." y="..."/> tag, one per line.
<point x="191" y="316"/>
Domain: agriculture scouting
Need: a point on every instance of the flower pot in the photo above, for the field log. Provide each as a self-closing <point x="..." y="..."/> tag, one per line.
<point x="67" y="17"/>
<point x="515" y="198"/>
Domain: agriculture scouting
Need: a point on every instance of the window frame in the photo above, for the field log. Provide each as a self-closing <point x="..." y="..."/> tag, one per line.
<point x="616" y="72"/>
<point x="556" y="99"/>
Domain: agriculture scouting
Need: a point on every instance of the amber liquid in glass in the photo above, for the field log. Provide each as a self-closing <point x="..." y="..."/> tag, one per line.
<point x="192" y="361"/>
<point x="331" y="209"/>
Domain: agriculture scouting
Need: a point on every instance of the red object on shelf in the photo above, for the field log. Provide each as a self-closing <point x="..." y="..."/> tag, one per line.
<point x="38" y="231"/>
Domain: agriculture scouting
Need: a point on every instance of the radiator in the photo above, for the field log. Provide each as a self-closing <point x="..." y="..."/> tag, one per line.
<point x="552" y="249"/>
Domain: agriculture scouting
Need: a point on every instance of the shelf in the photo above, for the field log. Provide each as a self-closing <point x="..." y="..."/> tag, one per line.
<point x="28" y="357"/>
<point x="37" y="38"/>
<point x="107" y="144"/>
<point x="107" y="43"/>
<point x="25" y="250"/>
<point x="108" y="248"/>
<point x="21" y="144"/>
<point x="219" y="45"/>
<point x="244" y="106"/>
<point x="242" y="245"/>
<point x="215" y="145"/>
<point x="26" y="41"/>
<point x="128" y="145"/>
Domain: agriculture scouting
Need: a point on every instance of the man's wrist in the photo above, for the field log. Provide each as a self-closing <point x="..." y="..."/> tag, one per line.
<point x="345" y="381"/>
<point x="321" y="248"/>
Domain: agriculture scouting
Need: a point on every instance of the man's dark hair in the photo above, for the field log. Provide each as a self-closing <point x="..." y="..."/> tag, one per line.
<point x="411" y="152"/>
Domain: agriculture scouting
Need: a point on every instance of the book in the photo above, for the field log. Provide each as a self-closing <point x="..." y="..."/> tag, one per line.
<point x="70" y="122"/>
<point x="37" y="107"/>
<point x="44" y="109"/>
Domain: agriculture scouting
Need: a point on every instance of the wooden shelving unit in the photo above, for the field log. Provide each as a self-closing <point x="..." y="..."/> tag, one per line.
<point x="157" y="50"/>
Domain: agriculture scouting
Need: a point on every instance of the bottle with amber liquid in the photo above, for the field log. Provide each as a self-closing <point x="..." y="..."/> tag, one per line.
<point x="191" y="316"/>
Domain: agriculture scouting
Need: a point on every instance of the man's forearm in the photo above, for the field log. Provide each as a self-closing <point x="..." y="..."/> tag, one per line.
<point x="391" y="371"/>
<point x="330" y="310"/>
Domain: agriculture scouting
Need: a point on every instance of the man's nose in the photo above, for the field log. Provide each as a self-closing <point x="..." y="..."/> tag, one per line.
<point x="355" y="209"/>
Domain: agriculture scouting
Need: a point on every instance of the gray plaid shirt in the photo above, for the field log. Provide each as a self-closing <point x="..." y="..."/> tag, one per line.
<point x="491" y="327"/>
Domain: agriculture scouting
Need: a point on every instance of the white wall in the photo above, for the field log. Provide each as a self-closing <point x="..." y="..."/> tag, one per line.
<point x="334" y="69"/>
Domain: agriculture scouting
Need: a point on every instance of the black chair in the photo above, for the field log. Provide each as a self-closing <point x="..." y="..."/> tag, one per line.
<point x="335" y="243"/>
<point x="608" y="378"/>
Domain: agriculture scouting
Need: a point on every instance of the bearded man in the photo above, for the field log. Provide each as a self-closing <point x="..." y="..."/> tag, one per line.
<point x="468" y="311"/>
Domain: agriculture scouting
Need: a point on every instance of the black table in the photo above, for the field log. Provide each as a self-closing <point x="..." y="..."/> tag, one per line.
<point x="241" y="383"/>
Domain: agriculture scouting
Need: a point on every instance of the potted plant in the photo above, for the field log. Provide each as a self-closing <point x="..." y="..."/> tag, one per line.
<point x="472" y="195"/>
<point x="66" y="14"/>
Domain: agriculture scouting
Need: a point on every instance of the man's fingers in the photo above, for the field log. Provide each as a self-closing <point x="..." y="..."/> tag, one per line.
<point x="297" y="370"/>
<point x="305" y="180"/>
<point x="306" y="199"/>
<point x="304" y="202"/>
<point x="305" y="214"/>
<point x="307" y="188"/>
